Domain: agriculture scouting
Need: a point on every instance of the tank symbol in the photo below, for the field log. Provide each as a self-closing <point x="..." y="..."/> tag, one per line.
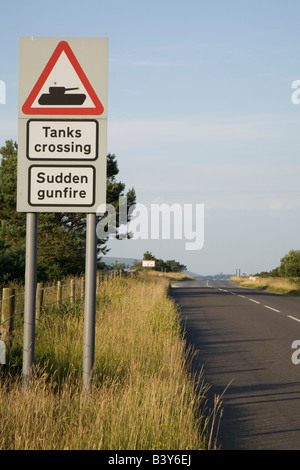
<point x="57" y="96"/>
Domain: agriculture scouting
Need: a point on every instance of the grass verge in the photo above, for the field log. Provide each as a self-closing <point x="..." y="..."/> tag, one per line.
<point x="143" y="394"/>
<point x="271" y="284"/>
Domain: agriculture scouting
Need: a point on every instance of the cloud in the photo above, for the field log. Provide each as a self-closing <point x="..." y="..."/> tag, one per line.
<point x="235" y="162"/>
<point x="283" y="206"/>
<point x="130" y="62"/>
<point x="133" y="133"/>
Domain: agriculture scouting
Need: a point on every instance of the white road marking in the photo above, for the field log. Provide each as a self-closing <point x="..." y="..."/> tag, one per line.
<point x="297" y="319"/>
<point x="252" y="300"/>
<point x="271" y="308"/>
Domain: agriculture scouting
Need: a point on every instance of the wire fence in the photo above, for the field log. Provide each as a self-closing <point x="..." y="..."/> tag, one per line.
<point x="56" y="295"/>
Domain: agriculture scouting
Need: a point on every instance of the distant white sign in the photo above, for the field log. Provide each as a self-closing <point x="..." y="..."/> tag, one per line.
<point x="148" y="263"/>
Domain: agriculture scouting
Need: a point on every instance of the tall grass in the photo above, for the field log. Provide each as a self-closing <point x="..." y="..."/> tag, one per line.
<point x="280" y="285"/>
<point x="143" y="394"/>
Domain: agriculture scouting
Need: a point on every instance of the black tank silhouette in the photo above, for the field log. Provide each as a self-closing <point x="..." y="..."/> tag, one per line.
<point x="57" y="96"/>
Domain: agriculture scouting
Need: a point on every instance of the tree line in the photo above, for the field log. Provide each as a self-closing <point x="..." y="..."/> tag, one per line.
<point x="289" y="266"/>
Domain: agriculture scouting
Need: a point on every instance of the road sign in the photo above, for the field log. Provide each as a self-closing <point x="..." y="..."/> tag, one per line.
<point x="62" y="123"/>
<point x="63" y="87"/>
<point x="61" y="158"/>
<point x="147" y="263"/>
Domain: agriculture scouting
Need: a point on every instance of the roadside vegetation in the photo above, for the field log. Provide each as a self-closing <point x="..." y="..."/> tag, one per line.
<point x="270" y="284"/>
<point x="169" y="275"/>
<point x="144" y="392"/>
<point x="285" y="279"/>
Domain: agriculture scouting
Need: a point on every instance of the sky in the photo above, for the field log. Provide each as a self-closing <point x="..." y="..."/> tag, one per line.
<point x="200" y="111"/>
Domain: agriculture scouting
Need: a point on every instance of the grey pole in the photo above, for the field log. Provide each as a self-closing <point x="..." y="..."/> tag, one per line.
<point x="30" y="297"/>
<point x="90" y="301"/>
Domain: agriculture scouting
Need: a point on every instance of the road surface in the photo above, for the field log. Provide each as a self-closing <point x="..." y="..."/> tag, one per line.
<point x="244" y="338"/>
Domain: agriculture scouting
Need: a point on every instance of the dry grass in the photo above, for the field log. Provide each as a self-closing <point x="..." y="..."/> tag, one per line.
<point x="170" y="276"/>
<point x="143" y="394"/>
<point x="271" y="284"/>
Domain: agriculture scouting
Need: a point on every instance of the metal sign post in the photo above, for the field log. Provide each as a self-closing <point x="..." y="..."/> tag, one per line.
<point x="30" y="297"/>
<point x="90" y="301"/>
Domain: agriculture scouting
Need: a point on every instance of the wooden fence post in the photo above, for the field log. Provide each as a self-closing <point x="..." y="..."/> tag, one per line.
<point x="82" y="288"/>
<point x="7" y="318"/>
<point x="39" y="299"/>
<point x="98" y="282"/>
<point x="59" y="294"/>
<point x="72" y="292"/>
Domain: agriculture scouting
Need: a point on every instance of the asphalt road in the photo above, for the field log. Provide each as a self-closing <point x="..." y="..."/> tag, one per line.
<point x="244" y="341"/>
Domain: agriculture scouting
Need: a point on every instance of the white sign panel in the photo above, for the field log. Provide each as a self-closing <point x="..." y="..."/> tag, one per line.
<point x="61" y="186"/>
<point x="148" y="263"/>
<point x="62" y="124"/>
<point x="59" y="139"/>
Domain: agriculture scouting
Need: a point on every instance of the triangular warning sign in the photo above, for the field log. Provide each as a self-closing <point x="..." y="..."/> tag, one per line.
<point x="63" y="88"/>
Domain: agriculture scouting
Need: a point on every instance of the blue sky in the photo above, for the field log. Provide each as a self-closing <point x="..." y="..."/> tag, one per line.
<point x="200" y="112"/>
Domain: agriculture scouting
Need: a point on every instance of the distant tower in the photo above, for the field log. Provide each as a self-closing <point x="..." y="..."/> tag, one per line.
<point x="237" y="273"/>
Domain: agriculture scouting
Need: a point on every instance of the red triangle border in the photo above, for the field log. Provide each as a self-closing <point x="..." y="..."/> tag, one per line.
<point x="63" y="46"/>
